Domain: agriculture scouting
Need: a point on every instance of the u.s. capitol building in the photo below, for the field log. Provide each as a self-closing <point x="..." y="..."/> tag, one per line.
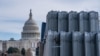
<point x="29" y="37"/>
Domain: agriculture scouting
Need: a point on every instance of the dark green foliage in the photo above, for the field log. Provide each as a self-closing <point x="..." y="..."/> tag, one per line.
<point x="15" y="50"/>
<point x="37" y="51"/>
<point x="23" y="51"/>
<point x="12" y="50"/>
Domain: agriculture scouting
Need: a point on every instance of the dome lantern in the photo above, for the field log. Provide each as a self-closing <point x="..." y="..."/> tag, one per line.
<point x="30" y="15"/>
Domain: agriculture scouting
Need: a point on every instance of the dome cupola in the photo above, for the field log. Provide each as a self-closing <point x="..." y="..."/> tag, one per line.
<point x="30" y="21"/>
<point x="30" y="29"/>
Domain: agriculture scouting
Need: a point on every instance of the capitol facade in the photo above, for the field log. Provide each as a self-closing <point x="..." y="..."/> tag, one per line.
<point x="29" y="37"/>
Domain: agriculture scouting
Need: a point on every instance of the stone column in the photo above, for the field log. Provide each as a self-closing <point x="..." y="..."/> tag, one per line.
<point x="65" y="44"/>
<point x="62" y="21"/>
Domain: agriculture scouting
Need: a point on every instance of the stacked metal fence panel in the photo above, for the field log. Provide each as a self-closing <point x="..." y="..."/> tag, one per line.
<point x="62" y="21"/>
<point x="94" y="21"/>
<point x="65" y="44"/>
<point x="77" y="43"/>
<point x="73" y="44"/>
<point x="52" y="21"/>
<point x="73" y="21"/>
<point x="84" y="22"/>
<point x="72" y="34"/>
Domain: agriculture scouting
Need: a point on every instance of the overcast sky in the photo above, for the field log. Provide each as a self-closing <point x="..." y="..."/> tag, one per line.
<point x="14" y="13"/>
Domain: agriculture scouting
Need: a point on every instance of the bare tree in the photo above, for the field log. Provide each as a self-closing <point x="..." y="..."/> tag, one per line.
<point x="28" y="52"/>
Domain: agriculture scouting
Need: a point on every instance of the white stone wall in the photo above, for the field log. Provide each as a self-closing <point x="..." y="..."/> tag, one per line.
<point x="20" y="44"/>
<point x="1" y="45"/>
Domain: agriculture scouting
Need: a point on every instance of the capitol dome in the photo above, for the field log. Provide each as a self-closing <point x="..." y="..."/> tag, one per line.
<point x="30" y="29"/>
<point x="30" y="25"/>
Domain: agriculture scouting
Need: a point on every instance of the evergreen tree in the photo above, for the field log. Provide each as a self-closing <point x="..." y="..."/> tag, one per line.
<point x="15" y="50"/>
<point x="29" y="52"/>
<point x="23" y="51"/>
<point x="10" y="50"/>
